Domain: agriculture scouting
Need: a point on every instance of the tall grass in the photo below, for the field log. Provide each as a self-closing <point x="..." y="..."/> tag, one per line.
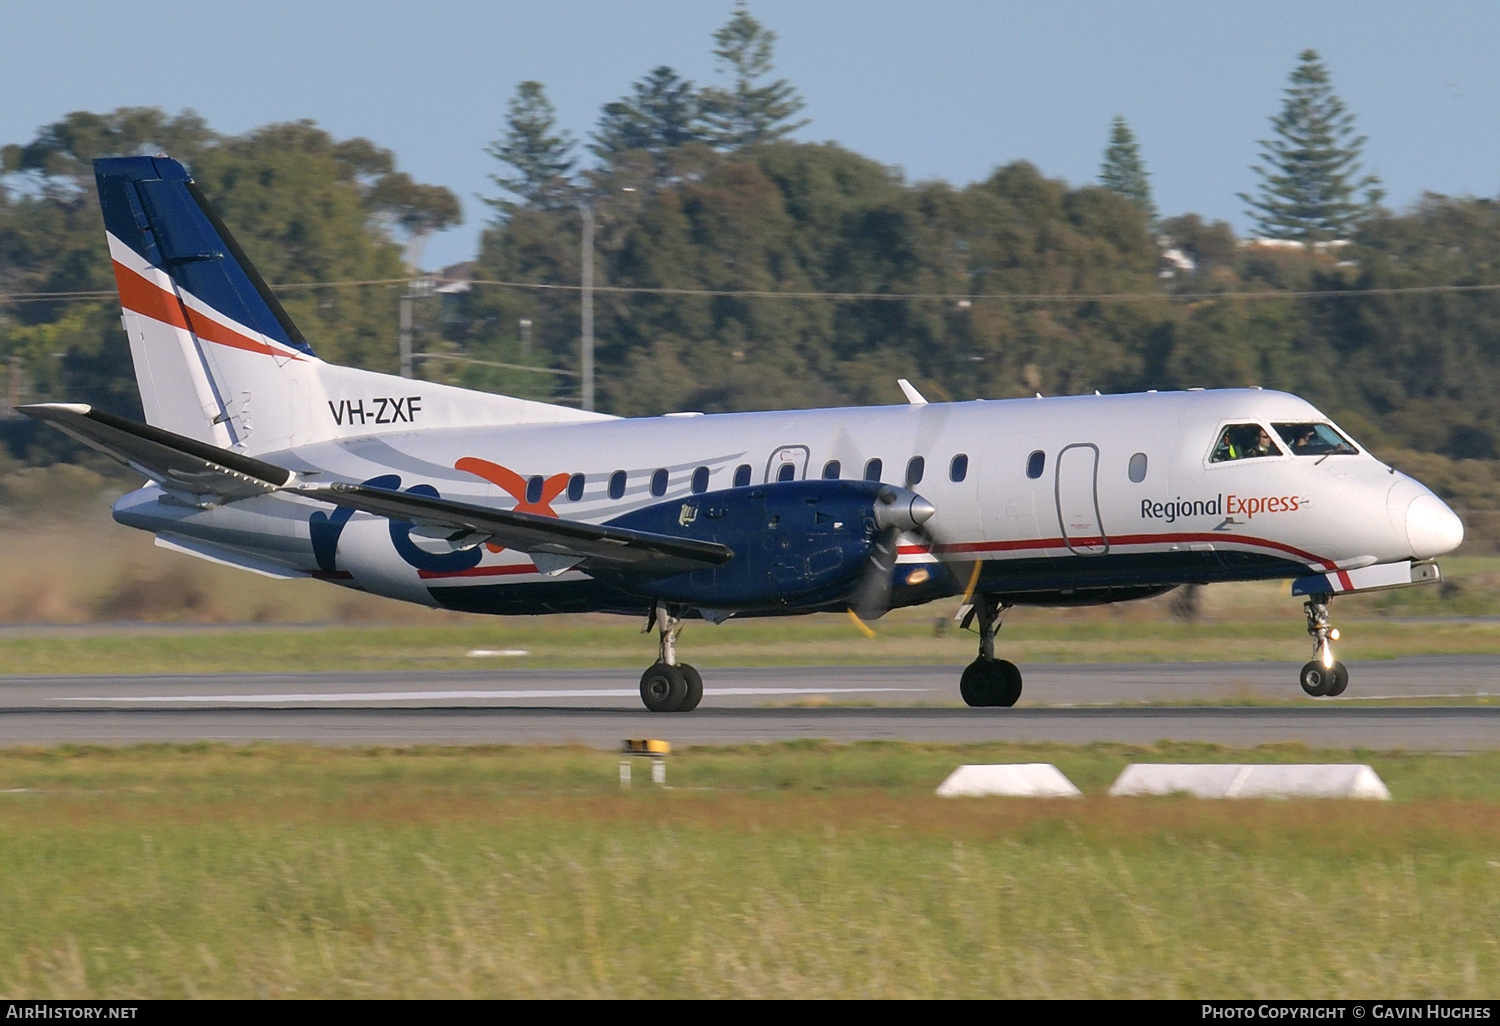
<point x="778" y="871"/>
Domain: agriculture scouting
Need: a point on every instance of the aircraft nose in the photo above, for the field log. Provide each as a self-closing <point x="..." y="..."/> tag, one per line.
<point x="1431" y="527"/>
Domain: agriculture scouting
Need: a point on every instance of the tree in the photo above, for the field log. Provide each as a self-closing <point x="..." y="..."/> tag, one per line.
<point x="748" y="113"/>
<point x="541" y="155"/>
<point x="307" y="208"/>
<point x="662" y="113"/>
<point x="414" y="209"/>
<point x="1124" y="173"/>
<point x="1310" y="175"/>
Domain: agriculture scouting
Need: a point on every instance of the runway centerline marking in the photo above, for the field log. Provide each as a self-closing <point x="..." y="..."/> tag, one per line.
<point x="409" y="696"/>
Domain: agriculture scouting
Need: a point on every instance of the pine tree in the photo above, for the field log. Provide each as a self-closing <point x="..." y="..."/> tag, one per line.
<point x="1123" y="171"/>
<point x="540" y="155"/>
<point x="1310" y="175"/>
<point x="749" y="113"/>
<point x="662" y="113"/>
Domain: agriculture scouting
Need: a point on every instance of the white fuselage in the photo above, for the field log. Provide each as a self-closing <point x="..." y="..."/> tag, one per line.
<point x="1124" y="496"/>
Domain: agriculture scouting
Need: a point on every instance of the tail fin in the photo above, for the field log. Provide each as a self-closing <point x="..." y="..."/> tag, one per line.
<point x="210" y="342"/>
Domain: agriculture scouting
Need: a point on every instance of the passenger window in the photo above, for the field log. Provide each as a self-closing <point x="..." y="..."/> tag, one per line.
<point x="575" y="487"/>
<point x="700" y="480"/>
<point x="959" y="468"/>
<point x="786" y="472"/>
<point x="1243" y="442"/>
<point x="534" y="488"/>
<point x="1314" y="440"/>
<point x="1035" y="464"/>
<point x="659" y="482"/>
<point x="617" y="485"/>
<point x="1138" y="467"/>
<point x="742" y="475"/>
<point x="831" y="470"/>
<point x="915" y="467"/>
<point x="873" y="469"/>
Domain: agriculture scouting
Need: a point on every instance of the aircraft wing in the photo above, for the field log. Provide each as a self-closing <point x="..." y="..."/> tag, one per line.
<point x="568" y="542"/>
<point x="176" y="462"/>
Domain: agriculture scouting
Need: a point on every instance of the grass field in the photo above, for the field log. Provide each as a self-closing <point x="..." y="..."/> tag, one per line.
<point x="799" y="870"/>
<point x="576" y="642"/>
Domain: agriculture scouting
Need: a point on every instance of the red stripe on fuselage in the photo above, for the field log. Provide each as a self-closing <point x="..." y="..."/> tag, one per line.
<point x="977" y="548"/>
<point x="142" y="296"/>
<point x="503" y="570"/>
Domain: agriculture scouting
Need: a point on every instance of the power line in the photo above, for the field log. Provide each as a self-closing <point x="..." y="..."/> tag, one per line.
<point x="943" y="297"/>
<point x="996" y="297"/>
<point x="492" y="363"/>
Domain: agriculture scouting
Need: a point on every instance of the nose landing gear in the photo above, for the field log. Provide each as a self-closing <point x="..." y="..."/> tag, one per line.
<point x="1324" y="675"/>
<point x="987" y="680"/>
<point x="669" y="686"/>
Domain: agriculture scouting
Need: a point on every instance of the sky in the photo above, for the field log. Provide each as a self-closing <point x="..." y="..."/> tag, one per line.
<point x="942" y="89"/>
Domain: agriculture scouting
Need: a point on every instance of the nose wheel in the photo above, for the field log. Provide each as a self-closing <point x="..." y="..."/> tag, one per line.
<point x="1324" y="675"/>
<point x="667" y="685"/>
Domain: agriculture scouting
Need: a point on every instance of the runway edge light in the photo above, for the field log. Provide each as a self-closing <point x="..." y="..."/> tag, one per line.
<point x="648" y="747"/>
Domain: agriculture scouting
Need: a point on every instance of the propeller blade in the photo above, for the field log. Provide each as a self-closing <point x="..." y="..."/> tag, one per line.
<point x="872" y="597"/>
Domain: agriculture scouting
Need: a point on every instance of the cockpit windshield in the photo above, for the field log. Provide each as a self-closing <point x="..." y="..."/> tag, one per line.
<point x="1314" y="440"/>
<point x="1243" y="442"/>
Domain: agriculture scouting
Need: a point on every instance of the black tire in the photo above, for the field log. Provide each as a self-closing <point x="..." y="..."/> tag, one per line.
<point x="1316" y="679"/>
<point x="1010" y="683"/>
<point x="974" y="685"/>
<point x="1340" y="680"/>
<point x="663" y="688"/>
<point x="990" y="682"/>
<point x="694" y="681"/>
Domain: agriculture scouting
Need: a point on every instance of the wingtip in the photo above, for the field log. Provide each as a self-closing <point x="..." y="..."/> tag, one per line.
<point x="42" y="411"/>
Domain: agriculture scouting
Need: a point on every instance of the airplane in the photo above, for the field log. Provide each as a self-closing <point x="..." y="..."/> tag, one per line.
<point x="261" y="456"/>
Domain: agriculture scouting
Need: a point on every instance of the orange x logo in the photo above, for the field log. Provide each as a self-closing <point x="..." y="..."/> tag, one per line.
<point x="515" y="485"/>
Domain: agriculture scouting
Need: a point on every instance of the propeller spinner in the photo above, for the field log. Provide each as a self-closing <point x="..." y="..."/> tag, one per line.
<point x="896" y="510"/>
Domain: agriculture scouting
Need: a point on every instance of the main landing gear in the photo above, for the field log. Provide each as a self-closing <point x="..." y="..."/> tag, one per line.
<point x="987" y="680"/>
<point x="1324" y="675"/>
<point x="669" y="686"/>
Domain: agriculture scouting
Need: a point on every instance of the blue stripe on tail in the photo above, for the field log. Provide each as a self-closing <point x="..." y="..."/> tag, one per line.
<point x="152" y="206"/>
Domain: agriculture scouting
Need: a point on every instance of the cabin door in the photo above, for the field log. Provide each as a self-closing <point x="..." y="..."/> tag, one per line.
<point x="1078" y="499"/>
<point x="789" y="463"/>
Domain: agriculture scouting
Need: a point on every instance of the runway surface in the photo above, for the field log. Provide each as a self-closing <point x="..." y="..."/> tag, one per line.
<point x="1067" y="703"/>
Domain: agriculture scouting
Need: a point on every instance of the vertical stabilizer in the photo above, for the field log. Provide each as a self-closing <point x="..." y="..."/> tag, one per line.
<point x="216" y="356"/>
<point x="186" y="290"/>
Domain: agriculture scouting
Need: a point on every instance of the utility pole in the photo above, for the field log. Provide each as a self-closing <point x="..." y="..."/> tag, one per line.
<point x="406" y="333"/>
<point x="586" y="362"/>
<point x="417" y="288"/>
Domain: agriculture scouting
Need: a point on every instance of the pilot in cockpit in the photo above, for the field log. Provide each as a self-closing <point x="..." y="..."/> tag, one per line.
<point x="1243" y="442"/>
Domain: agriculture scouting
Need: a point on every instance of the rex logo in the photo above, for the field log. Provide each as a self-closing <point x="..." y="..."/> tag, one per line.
<point x="515" y="486"/>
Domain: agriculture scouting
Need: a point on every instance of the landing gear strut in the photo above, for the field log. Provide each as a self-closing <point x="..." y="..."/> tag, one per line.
<point x="669" y="686"/>
<point x="1324" y="675"/>
<point x="987" y="680"/>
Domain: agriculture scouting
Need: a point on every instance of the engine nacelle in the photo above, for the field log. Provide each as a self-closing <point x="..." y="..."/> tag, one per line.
<point x="797" y="544"/>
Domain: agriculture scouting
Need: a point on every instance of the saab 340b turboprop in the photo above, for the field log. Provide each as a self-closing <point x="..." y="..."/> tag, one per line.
<point x="264" y="457"/>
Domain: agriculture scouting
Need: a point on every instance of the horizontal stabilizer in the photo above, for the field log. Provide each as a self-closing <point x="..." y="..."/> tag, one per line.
<point x="208" y="474"/>
<point x="179" y="464"/>
<point x="226" y="556"/>
<point x="594" y="544"/>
